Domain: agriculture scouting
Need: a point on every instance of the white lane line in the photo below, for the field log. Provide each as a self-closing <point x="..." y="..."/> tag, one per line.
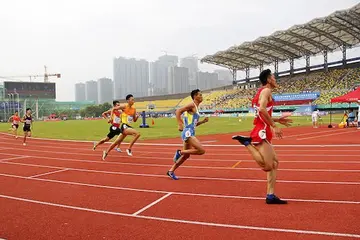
<point x="151" y="204"/>
<point x="49" y="173"/>
<point x="326" y="135"/>
<point x="206" y="145"/>
<point x="177" y="193"/>
<point x="13" y="158"/>
<point x="190" y="167"/>
<point x="201" y="223"/>
<point x="189" y="177"/>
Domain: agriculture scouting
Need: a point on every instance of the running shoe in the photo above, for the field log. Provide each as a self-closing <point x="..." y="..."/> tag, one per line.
<point x="172" y="175"/>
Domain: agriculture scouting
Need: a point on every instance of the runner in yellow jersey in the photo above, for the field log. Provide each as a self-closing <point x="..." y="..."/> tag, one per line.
<point x="128" y="117"/>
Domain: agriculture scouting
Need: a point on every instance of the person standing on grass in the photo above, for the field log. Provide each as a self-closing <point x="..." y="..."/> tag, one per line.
<point x="15" y="120"/>
<point x="192" y="146"/>
<point x="128" y="117"/>
<point x="28" y="121"/>
<point x="259" y="142"/>
<point x="115" y="121"/>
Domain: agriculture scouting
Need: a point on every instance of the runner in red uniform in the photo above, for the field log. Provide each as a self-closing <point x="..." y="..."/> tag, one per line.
<point x="115" y="121"/>
<point x="259" y="142"/>
<point x="15" y="119"/>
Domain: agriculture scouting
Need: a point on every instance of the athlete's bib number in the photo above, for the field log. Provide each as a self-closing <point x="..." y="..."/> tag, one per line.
<point x="116" y="120"/>
<point x="130" y="119"/>
<point x="262" y="134"/>
<point x="256" y="112"/>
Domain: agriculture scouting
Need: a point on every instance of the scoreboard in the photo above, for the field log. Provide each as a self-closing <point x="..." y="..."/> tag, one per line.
<point x="31" y="89"/>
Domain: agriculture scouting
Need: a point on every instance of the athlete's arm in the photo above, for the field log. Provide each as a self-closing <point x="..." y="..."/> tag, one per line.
<point x="10" y="118"/>
<point x="205" y="120"/>
<point x="135" y="117"/>
<point x="120" y="107"/>
<point x="106" y="113"/>
<point x="180" y="111"/>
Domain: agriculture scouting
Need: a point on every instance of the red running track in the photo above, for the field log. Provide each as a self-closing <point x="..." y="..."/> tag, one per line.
<point x="63" y="190"/>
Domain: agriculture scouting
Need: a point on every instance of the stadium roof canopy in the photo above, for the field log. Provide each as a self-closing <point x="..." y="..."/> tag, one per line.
<point x="342" y="28"/>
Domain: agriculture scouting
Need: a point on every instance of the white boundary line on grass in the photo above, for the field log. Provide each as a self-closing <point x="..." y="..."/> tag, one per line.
<point x="298" y="231"/>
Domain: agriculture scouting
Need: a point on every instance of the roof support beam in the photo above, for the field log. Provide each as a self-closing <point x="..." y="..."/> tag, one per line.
<point x="277" y="49"/>
<point x="340" y="26"/>
<point x="247" y="57"/>
<point x="309" y="40"/>
<point x="348" y="22"/>
<point x="302" y="50"/>
<point x="233" y="60"/>
<point x="325" y="34"/>
<point x="272" y="57"/>
<point x="354" y="16"/>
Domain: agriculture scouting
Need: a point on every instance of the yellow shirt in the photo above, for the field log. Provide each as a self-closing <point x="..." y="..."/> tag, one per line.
<point x="127" y="115"/>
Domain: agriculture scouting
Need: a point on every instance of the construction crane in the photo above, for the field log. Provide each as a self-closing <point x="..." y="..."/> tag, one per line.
<point x="46" y="76"/>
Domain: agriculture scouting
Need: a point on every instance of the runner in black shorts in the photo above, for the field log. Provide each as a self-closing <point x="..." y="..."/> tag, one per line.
<point x="114" y="129"/>
<point x="27" y="120"/>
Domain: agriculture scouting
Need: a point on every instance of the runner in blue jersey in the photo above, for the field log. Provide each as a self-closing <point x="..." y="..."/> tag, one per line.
<point x="192" y="146"/>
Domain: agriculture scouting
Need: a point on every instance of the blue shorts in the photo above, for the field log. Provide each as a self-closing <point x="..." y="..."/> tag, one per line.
<point x="186" y="133"/>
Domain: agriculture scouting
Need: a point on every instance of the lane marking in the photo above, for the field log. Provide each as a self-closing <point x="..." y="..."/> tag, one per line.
<point x="49" y="173"/>
<point x="205" y="145"/>
<point x="177" y="193"/>
<point x="146" y="155"/>
<point x="269" y="229"/>
<point x="151" y="204"/>
<point x="234" y="166"/>
<point x="190" y="166"/>
<point x="190" y="177"/>
<point x="13" y="158"/>
<point x="326" y="135"/>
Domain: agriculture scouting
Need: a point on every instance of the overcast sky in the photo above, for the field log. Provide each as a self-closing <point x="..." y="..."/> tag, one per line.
<point x="80" y="38"/>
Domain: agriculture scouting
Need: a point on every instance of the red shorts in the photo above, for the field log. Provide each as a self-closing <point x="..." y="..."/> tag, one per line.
<point x="261" y="133"/>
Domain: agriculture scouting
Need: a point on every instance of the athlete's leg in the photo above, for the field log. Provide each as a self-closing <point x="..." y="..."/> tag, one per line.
<point x="120" y="138"/>
<point x="102" y="141"/>
<point x="135" y="134"/>
<point x="179" y="161"/>
<point x="196" y="147"/>
<point x="25" y="135"/>
<point x="191" y="146"/>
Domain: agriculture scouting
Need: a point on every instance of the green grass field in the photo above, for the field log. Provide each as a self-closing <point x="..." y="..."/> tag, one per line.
<point x="163" y="128"/>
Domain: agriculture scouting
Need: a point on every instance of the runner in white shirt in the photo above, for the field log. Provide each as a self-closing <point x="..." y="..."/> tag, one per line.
<point x="315" y="116"/>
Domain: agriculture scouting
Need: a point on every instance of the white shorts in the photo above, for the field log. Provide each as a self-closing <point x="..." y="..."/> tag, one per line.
<point x="314" y="119"/>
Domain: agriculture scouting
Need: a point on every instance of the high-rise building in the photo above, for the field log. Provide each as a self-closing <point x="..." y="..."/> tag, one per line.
<point x="80" y="92"/>
<point x="131" y="76"/>
<point x="105" y="90"/>
<point x="159" y="74"/>
<point x="225" y="76"/>
<point x="191" y="63"/>
<point x="207" y="80"/>
<point x="178" y="80"/>
<point x="91" y="91"/>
